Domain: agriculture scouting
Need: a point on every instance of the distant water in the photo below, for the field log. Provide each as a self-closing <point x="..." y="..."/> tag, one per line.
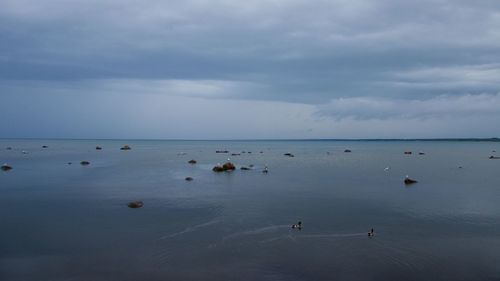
<point x="71" y="222"/>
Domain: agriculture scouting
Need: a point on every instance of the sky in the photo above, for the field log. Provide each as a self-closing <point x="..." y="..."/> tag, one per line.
<point x="234" y="69"/>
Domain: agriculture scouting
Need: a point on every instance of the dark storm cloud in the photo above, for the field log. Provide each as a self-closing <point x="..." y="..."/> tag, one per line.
<point x="315" y="53"/>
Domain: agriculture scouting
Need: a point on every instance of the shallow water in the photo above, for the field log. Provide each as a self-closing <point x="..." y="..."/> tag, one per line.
<point x="71" y="222"/>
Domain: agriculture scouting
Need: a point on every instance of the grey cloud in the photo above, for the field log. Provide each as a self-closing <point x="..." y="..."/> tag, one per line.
<point x="320" y="54"/>
<point x="440" y="106"/>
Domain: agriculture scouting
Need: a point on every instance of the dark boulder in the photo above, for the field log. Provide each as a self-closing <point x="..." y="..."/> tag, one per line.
<point x="221" y="151"/>
<point x="188" y="178"/>
<point x="44" y="146"/>
<point x="228" y="166"/>
<point x="98" y="148"/>
<point x="347" y="150"/>
<point x="245" y="168"/>
<point x="494" y="157"/>
<point x="135" y="204"/>
<point x="408" y="152"/>
<point x="6" y="167"/>
<point x="218" y="168"/>
<point x="289" y="154"/>
<point x="192" y="161"/>
<point x="84" y="163"/>
<point x="409" y="181"/>
<point x="125" y="147"/>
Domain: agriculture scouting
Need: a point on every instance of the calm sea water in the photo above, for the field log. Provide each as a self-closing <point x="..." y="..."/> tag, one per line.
<point x="71" y="222"/>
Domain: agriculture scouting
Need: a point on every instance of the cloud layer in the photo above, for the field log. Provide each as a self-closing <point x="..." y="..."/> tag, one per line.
<point x="340" y="60"/>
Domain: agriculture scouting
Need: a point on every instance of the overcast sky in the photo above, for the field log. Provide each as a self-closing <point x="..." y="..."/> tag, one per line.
<point x="229" y="69"/>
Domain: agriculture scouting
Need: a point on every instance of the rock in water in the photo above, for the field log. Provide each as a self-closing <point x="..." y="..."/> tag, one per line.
<point x="98" y="148"/>
<point x="6" y="167"/>
<point x="347" y="150"/>
<point x="189" y="178"/>
<point x="125" y="147"/>
<point x="84" y="163"/>
<point x="218" y="168"/>
<point x="409" y="181"/>
<point x="192" y="161"/>
<point x="135" y="204"/>
<point x="228" y="166"/>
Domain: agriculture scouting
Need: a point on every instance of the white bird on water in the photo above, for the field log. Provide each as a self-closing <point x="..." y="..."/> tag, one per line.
<point x="386" y="168"/>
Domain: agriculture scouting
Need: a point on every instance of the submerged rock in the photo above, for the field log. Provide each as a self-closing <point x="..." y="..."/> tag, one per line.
<point x="347" y="150"/>
<point x="44" y="146"/>
<point x="221" y="151"/>
<point x="289" y="154"/>
<point x="188" y="178"/>
<point x="135" y="204"/>
<point x="408" y="152"/>
<point x="245" y="168"/>
<point x="98" y="148"/>
<point x="125" y="147"/>
<point x="6" y="167"/>
<point x="494" y="157"/>
<point x="421" y="153"/>
<point x="9" y="148"/>
<point x="409" y="181"/>
<point x="236" y="154"/>
<point x="192" y="161"/>
<point x="84" y="163"/>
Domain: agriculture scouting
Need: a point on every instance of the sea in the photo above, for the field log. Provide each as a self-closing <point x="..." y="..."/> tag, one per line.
<point x="61" y="220"/>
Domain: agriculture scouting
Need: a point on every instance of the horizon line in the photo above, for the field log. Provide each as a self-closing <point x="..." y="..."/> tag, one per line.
<point x="494" y="139"/>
